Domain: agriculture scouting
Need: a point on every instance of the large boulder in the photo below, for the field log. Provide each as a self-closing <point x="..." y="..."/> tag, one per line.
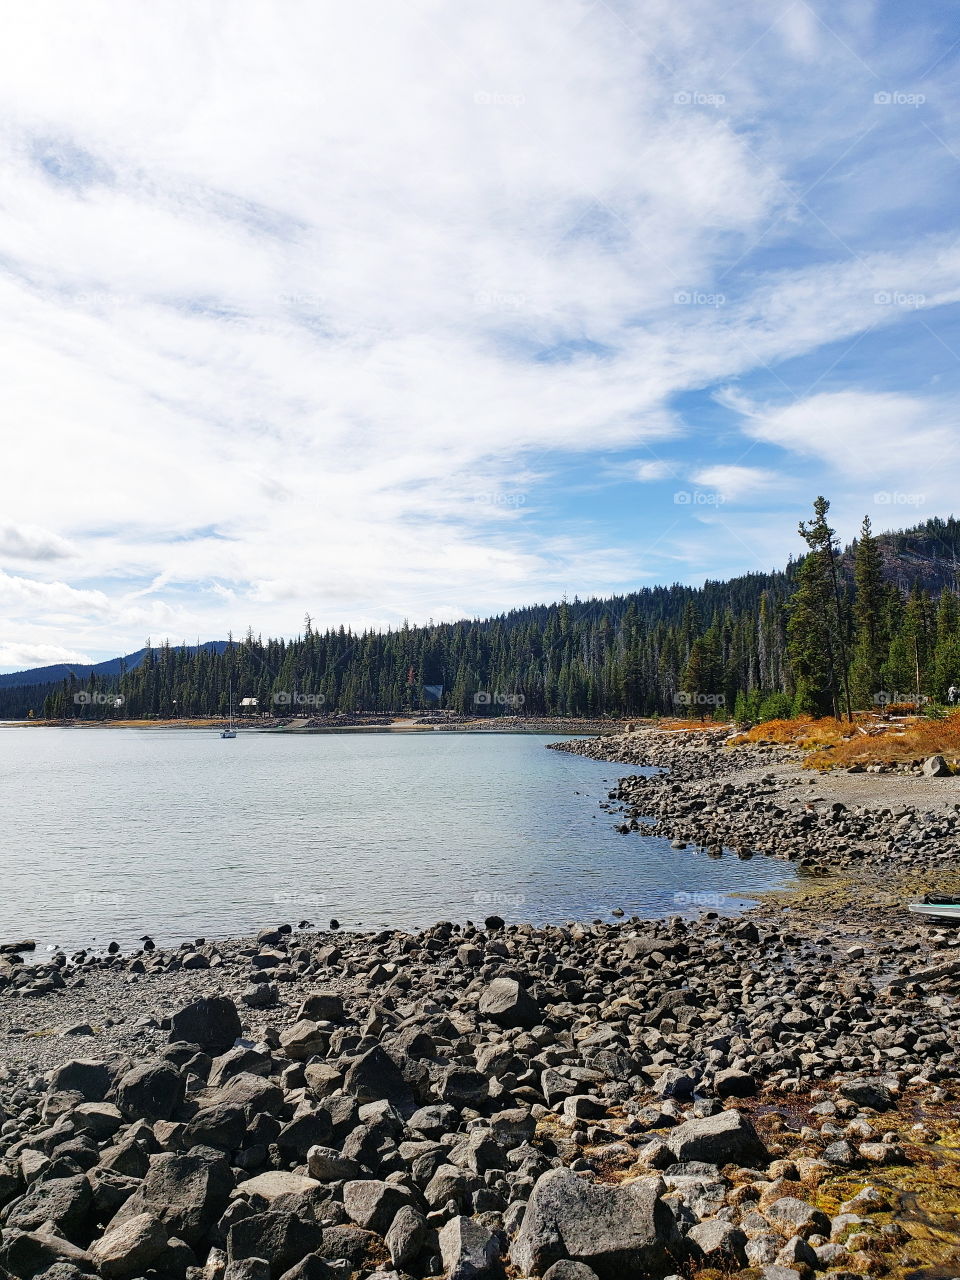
<point x="508" y="1004"/>
<point x="188" y="1193"/>
<point x="373" y="1205"/>
<point x="151" y="1091"/>
<point x="374" y="1076"/>
<point x="283" y="1239"/>
<point x="86" y="1076"/>
<point x="726" y="1138"/>
<point x="66" y="1203"/>
<point x="212" y="1022"/>
<point x="621" y="1232"/>
<point x="937" y="767"/>
<point x="128" y="1248"/>
<point x="469" y="1251"/>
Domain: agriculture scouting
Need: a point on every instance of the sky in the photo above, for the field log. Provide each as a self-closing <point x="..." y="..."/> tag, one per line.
<point x="423" y="310"/>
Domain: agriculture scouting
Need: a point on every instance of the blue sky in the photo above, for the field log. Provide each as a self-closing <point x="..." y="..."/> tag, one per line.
<point x="422" y="311"/>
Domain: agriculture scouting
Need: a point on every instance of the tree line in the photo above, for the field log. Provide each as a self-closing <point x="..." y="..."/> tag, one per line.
<point x="834" y="631"/>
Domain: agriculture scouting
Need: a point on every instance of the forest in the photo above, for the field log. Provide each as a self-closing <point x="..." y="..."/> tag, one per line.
<point x="836" y="630"/>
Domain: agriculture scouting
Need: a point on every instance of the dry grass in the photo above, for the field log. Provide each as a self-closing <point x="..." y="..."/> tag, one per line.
<point x="871" y="739"/>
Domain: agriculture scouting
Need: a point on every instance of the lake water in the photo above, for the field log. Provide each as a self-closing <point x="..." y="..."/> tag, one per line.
<point x="113" y="833"/>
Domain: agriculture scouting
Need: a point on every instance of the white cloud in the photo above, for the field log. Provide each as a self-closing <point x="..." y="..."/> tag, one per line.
<point x="24" y="656"/>
<point x="864" y="435"/>
<point x="734" y="483"/>
<point x="30" y="542"/>
<point x="278" y="293"/>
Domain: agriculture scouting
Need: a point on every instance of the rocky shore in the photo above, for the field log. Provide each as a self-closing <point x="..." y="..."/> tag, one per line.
<point x="767" y="1097"/>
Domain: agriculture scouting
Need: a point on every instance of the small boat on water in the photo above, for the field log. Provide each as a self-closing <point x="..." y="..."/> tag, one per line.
<point x="229" y="731"/>
<point x="937" y="907"/>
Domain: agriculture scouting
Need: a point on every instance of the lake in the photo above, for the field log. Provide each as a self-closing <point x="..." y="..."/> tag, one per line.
<point x="109" y="834"/>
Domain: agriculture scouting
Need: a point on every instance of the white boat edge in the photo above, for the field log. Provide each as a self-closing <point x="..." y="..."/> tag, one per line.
<point x="944" y="911"/>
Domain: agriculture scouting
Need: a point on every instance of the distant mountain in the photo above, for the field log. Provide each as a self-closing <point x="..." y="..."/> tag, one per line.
<point x="83" y="671"/>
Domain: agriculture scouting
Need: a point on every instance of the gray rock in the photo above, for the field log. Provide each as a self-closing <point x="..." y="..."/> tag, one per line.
<point x="326" y="1164"/>
<point x="211" y="1022"/>
<point x="565" y="1269"/>
<point x="129" y="1247"/>
<point x="936" y="767"/>
<point x="508" y="1004"/>
<point x="622" y="1232"/>
<point x="469" y="1251"/>
<point x="720" y="1243"/>
<point x="282" y="1238"/>
<point x="373" y="1205"/>
<point x="726" y="1138"/>
<point x="407" y="1236"/>
<point x="188" y="1193"/>
<point x="151" y="1091"/>
<point x="64" y="1202"/>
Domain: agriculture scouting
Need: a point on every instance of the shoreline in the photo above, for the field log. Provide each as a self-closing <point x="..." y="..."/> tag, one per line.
<point x="778" y="1089"/>
<point x="303" y="725"/>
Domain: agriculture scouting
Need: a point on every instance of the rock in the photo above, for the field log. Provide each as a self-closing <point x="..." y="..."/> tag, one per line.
<point x="188" y="1193"/>
<point x="469" y="1251"/>
<point x="726" y="1138"/>
<point x="372" y="1204"/>
<point x="322" y="1006"/>
<point x="28" y="1254"/>
<point x="870" y="1092"/>
<point x="276" y="1182"/>
<point x="152" y="1091"/>
<point x="282" y="1238"/>
<point x="720" y="1244"/>
<point x="326" y="1164"/>
<point x="407" y="1235"/>
<point x="567" y="1270"/>
<point x="92" y="1079"/>
<point x="130" y="1247"/>
<point x="260" y="995"/>
<point x="374" y="1076"/>
<point x="64" y="1202"/>
<point x="312" y="1267"/>
<point x="734" y="1084"/>
<point x="303" y="1040"/>
<point x="507" y="1004"/>
<point x="622" y="1232"/>
<point x="211" y="1022"/>
<point x="793" y="1216"/>
<point x="936" y="767"/>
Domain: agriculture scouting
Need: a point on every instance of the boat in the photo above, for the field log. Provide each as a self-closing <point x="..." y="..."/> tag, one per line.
<point x="229" y="731"/>
<point x="937" y="907"/>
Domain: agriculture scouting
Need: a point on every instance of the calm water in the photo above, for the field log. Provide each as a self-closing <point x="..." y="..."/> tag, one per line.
<point x="113" y="833"/>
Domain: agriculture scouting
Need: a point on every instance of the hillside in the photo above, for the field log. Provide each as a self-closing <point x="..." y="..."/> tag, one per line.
<point x="712" y="650"/>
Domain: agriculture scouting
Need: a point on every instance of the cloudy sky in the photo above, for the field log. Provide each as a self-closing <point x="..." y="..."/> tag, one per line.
<point x="421" y="309"/>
